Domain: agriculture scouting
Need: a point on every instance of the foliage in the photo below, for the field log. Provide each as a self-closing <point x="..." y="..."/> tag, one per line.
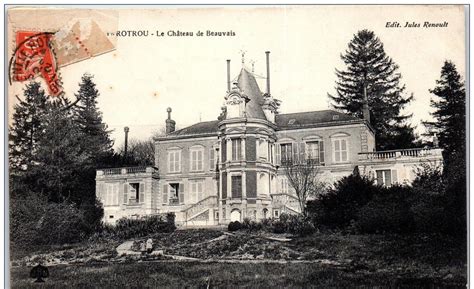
<point x="126" y="228"/>
<point x="388" y="212"/>
<point x="340" y="205"/>
<point x="26" y="127"/>
<point x="35" y="221"/>
<point x="370" y="71"/>
<point x="139" y="152"/>
<point x="234" y="226"/>
<point x="450" y="110"/>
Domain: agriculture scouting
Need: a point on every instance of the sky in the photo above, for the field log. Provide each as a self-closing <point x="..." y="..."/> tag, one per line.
<point x="145" y="75"/>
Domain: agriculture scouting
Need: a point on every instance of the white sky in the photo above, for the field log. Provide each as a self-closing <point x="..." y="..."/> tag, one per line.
<point x="144" y="76"/>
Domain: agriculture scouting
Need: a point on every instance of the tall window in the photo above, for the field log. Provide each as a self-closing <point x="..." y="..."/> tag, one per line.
<point x="284" y="185"/>
<point x="236" y="186"/>
<point x="111" y="195"/>
<point x="384" y="177"/>
<point x="197" y="159"/>
<point x="236" y="149"/>
<point x="174" y="161"/>
<point x="340" y="150"/>
<point x="286" y="152"/>
<point x="315" y="151"/>
<point x="263" y="149"/>
<point x="212" y="159"/>
<point x="197" y="191"/>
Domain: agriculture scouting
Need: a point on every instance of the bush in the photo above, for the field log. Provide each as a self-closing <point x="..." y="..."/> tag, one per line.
<point x="298" y="225"/>
<point x="34" y="221"/>
<point x="279" y="227"/>
<point x="234" y="226"/>
<point x="340" y="205"/>
<point x="126" y="228"/>
<point x="388" y="212"/>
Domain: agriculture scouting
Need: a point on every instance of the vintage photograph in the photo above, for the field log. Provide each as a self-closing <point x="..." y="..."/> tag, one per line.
<point x="229" y="146"/>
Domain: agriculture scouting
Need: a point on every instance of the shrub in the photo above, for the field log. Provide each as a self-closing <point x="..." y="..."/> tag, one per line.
<point x="234" y="226"/>
<point x="388" y="212"/>
<point x="297" y="225"/>
<point x="340" y="205"/>
<point x="126" y="228"/>
<point x="34" y="221"/>
<point x="279" y="227"/>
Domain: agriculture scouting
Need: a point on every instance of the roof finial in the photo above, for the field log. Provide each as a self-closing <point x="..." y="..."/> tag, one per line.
<point x="242" y="52"/>
<point x="253" y="65"/>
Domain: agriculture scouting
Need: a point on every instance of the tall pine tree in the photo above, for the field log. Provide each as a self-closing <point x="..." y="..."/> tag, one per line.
<point x="370" y="69"/>
<point x="97" y="141"/>
<point x="26" y="128"/>
<point x="450" y="125"/>
<point x="450" y="110"/>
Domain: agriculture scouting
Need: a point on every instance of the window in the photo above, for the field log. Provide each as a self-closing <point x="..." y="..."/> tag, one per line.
<point x="196" y="159"/>
<point x="286" y="152"/>
<point x="315" y="151"/>
<point x="384" y="177"/>
<point x="236" y="186"/>
<point x="111" y="195"/>
<point x="212" y="159"/>
<point x="216" y="215"/>
<point x="236" y="149"/>
<point x="174" y="193"/>
<point x="196" y="191"/>
<point x="174" y="161"/>
<point x="136" y="193"/>
<point x="283" y="185"/>
<point x="263" y="149"/>
<point x="276" y="213"/>
<point x="340" y="150"/>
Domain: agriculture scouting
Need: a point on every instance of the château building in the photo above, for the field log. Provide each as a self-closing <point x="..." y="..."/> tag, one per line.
<point x="218" y="171"/>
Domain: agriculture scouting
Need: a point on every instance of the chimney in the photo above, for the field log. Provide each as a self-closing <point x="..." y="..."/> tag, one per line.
<point x="365" y="107"/>
<point x="268" y="71"/>
<point x="228" y="75"/>
<point x="170" y="124"/>
<point x="126" y="130"/>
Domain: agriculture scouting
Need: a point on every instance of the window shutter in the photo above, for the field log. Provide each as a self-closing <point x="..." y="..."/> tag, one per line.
<point x="125" y="193"/>
<point x="295" y="152"/>
<point x="199" y="189"/>
<point x="100" y="192"/>
<point x="394" y="177"/>
<point x="379" y="177"/>
<point x="302" y="157"/>
<point x="212" y="161"/>
<point x="181" y="193"/>
<point x="165" y="194"/>
<point x="116" y="194"/>
<point x="388" y="178"/>
<point x="321" y="152"/>
<point x="200" y="159"/>
<point x="278" y="153"/>
<point x="142" y="193"/>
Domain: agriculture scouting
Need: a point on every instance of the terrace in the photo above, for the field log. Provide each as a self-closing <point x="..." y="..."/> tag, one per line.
<point x="402" y="154"/>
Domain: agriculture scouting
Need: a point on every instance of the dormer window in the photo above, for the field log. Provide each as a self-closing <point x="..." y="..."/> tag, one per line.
<point x="335" y="117"/>
<point x="292" y="121"/>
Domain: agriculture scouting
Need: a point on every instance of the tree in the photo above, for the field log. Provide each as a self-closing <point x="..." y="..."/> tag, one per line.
<point x="89" y="120"/>
<point x="450" y="110"/>
<point x="303" y="177"/>
<point x="372" y="76"/>
<point x="26" y="127"/>
<point x="139" y="152"/>
<point x="450" y="125"/>
<point x="60" y="157"/>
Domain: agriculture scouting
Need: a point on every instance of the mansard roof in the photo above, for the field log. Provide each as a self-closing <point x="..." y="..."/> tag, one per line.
<point x="309" y="119"/>
<point x="200" y="128"/>
<point x="246" y="82"/>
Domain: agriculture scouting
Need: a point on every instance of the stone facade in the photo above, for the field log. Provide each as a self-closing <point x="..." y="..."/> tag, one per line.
<point x="224" y="170"/>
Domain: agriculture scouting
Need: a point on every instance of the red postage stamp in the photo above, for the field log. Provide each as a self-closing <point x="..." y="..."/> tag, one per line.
<point x="34" y="57"/>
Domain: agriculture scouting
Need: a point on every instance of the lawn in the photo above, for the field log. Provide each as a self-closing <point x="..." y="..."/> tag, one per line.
<point x="252" y="260"/>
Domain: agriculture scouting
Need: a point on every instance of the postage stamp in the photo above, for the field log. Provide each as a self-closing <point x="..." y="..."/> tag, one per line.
<point x="34" y="56"/>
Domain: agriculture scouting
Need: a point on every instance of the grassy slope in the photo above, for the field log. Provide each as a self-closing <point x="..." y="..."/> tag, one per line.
<point x="367" y="260"/>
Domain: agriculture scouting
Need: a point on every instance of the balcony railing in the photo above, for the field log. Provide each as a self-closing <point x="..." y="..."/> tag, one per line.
<point x="400" y="154"/>
<point x="127" y="170"/>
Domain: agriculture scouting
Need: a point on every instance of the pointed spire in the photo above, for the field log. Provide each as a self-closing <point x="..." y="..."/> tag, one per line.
<point x="242" y="52"/>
